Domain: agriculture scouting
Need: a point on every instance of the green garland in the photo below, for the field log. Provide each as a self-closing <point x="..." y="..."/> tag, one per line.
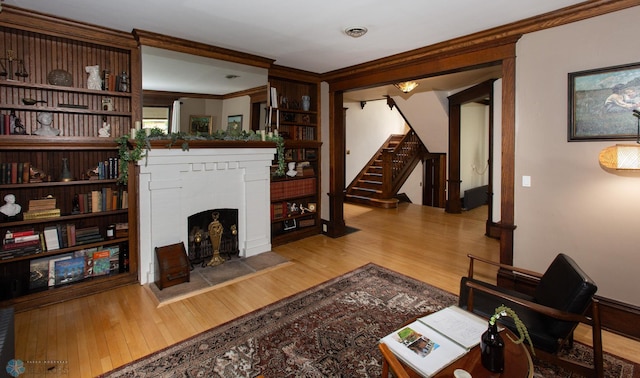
<point x="502" y="311"/>
<point x="142" y="145"/>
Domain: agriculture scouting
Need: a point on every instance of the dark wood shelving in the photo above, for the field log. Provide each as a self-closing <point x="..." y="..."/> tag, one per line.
<point x="303" y="135"/>
<point x="78" y="113"/>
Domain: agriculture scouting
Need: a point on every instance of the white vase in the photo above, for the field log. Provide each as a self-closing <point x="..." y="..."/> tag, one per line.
<point x="306" y="103"/>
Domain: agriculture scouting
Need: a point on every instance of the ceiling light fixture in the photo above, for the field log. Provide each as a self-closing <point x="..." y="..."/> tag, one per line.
<point x="356" y="32"/>
<point x="406" y="86"/>
<point x="622" y="156"/>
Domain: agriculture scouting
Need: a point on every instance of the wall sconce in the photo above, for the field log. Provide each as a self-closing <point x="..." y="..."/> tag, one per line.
<point x="622" y="156"/>
<point x="406" y="86"/>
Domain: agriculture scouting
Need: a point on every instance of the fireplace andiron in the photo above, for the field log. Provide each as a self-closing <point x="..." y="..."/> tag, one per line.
<point x="215" y="234"/>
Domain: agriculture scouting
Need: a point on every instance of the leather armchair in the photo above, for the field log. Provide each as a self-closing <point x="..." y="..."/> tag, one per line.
<point x="563" y="298"/>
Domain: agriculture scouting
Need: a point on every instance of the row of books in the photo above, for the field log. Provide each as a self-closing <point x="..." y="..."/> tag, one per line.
<point x="297" y="132"/>
<point x="107" y="199"/>
<point x="74" y="266"/>
<point x="67" y="235"/>
<point x="14" y="172"/>
<point x="20" y="243"/>
<point x="8" y="123"/>
<point x="20" y="172"/>
<point x="107" y="170"/>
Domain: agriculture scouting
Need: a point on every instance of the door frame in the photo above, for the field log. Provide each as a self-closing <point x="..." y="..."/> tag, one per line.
<point x="482" y="93"/>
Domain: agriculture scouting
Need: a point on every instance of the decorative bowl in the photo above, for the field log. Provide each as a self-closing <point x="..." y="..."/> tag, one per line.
<point x="60" y="77"/>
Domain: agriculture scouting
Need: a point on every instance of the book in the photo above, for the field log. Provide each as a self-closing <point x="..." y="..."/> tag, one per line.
<point x="52" y="267"/>
<point x="101" y="262"/>
<point x="39" y="273"/>
<point x="459" y="325"/>
<point x="51" y="238"/>
<point x="69" y="270"/>
<point x="426" y="349"/>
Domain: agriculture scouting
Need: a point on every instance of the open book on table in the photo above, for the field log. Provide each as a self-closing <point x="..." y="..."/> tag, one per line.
<point x="432" y="342"/>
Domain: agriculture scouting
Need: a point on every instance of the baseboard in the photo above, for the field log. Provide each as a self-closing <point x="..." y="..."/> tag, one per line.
<point x="615" y="316"/>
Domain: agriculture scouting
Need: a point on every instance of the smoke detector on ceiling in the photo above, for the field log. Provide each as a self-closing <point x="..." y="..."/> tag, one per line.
<point x="356" y="32"/>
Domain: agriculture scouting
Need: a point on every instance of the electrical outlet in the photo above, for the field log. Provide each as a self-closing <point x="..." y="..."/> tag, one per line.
<point x="324" y="227"/>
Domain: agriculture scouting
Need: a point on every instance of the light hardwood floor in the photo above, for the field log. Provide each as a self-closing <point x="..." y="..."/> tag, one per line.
<point x="92" y="335"/>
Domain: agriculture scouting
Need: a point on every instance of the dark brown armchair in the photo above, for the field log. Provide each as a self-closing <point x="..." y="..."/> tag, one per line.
<point x="562" y="299"/>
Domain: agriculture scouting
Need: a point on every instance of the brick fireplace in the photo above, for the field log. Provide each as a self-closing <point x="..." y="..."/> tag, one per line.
<point x="174" y="185"/>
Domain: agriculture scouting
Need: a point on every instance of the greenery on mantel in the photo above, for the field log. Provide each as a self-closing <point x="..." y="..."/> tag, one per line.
<point x="142" y="144"/>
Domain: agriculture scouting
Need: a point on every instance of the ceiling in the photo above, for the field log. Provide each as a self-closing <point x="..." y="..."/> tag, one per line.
<point x="297" y="34"/>
<point x="172" y="71"/>
<point x="303" y="35"/>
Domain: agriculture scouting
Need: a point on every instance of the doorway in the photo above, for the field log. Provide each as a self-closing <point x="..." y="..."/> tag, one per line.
<point x="482" y="94"/>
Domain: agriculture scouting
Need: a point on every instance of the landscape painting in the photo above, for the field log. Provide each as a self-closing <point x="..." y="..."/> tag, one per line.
<point x="602" y="103"/>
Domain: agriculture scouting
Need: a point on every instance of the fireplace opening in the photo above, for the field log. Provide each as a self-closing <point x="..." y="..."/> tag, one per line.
<point x="200" y="248"/>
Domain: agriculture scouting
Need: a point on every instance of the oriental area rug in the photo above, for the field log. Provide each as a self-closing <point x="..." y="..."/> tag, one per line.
<point x="330" y="330"/>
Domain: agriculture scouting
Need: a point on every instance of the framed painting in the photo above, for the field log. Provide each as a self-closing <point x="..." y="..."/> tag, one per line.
<point x="234" y="123"/>
<point x="602" y="103"/>
<point x="200" y="124"/>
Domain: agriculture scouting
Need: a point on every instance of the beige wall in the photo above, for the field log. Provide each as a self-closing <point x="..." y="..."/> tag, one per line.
<point x="573" y="206"/>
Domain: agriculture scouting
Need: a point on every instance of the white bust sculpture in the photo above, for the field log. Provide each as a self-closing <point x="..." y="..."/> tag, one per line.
<point x="10" y="208"/>
<point x="292" y="169"/>
<point x="94" y="81"/>
<point x="45" y="119"/>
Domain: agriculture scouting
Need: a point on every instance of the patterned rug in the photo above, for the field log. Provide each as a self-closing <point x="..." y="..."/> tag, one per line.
<point x="330" y="330"/>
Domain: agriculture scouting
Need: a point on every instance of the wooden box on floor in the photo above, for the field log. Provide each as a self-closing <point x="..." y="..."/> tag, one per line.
<point x="172" y="265"/>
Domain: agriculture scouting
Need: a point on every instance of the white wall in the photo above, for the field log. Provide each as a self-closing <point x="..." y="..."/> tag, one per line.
<point x="236" y="106"/>
<point x="366" y="130"/>
<point x="474" y="146"/>
<point x="573" y="206"/>
<point x="219" y="110"/>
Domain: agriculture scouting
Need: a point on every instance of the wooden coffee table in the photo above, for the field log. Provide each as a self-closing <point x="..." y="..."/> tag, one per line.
<point x="517" y="362"/>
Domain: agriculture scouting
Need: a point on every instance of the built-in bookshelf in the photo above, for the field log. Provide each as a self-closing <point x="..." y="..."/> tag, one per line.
<point x="295" y="201"/>
<point x="74" y="218"/>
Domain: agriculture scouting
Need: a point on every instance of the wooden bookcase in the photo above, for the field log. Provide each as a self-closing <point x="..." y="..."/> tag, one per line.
<point x="295" y="199"/>
<point x="42" y="44"/>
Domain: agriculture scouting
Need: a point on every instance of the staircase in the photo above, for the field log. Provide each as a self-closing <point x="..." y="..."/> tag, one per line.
<point x="381" y="178"/>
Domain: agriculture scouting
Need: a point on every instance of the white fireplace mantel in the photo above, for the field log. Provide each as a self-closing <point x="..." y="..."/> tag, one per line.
<point x="174" y="184"/>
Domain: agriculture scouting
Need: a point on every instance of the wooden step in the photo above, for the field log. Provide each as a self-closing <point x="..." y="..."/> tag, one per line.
<point x="390" y="203"/>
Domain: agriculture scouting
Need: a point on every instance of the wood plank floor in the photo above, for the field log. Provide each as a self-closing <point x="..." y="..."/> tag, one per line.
<point x="92" y="335"/>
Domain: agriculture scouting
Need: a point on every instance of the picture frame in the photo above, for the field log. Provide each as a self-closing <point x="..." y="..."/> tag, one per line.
<point x="601" y="103"/>
<point x="200" y="124"/>
<point x="234" y="122"/>
<point x="290" y="224"/>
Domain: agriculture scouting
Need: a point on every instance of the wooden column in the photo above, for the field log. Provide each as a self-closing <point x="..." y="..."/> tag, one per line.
<point x="337" y="152"/>
<point x="507" y="194"/>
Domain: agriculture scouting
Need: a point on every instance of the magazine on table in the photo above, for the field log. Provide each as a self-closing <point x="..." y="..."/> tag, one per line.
<point x="433" y="342"/>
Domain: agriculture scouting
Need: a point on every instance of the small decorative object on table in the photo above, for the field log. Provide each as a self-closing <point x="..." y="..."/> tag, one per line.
<point x="492" y="344"/>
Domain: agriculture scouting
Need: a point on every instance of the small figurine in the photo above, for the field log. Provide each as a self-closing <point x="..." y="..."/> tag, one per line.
<point x="105" y="130"/>
<point x="94" y="81"/>
<point x="124" y="82"/>
<point x="45" y="119"/>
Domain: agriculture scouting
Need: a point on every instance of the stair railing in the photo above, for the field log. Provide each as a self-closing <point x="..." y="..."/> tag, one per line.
<point x="397" y="162"/>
